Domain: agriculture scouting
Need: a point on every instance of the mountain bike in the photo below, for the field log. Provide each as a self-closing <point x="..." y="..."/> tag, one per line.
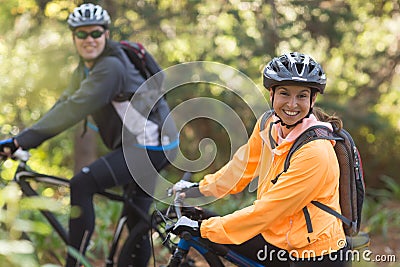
<point x="157" y="225"/>
<point x="212" y="252"/>
<point x="31" y="181"/>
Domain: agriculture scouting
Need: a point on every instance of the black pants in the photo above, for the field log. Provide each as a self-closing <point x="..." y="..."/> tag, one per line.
<point x="109" y="171"/>
<point x="261" y="251"/>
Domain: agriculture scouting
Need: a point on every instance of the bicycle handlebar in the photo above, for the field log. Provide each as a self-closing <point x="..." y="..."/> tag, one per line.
<point x="185" y="177"/>
<point x="178" y="200"/>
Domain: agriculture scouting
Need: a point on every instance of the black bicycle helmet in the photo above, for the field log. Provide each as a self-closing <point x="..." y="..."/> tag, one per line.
<point x="294" y="68"/>
<point x="88" y="14"/>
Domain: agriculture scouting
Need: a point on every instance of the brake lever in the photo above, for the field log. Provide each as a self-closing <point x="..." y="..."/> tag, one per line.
<point x="169" y="227"/>
<point x="167" y="239"/>
<point x="170" y="192"/>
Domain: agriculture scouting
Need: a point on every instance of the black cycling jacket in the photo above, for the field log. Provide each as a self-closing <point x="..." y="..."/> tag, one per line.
<point x="98" y="94"/>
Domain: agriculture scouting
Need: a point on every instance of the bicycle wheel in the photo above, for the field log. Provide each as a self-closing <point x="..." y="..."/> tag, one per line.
<point x="136" y="249"/>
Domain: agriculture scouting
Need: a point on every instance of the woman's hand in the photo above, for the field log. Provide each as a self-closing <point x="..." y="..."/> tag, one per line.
<point x="184" y="224"/>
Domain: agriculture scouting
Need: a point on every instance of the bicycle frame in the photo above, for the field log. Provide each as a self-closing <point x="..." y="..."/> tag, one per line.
<point x="210" y="250"/>
<point x="218" y="249"/>
<point x="24" y="175"/>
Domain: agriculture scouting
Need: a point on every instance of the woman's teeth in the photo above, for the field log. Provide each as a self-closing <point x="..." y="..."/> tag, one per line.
<point x="291" y="113"/>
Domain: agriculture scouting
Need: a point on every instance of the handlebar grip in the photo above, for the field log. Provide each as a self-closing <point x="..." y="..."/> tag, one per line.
<point x="185" y="177"/>
<point x="186" y="235"/>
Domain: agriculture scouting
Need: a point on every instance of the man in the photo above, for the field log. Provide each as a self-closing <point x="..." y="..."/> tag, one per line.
<point x="100" y="90"/>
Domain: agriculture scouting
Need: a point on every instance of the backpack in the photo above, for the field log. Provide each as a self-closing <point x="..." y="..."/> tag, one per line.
<point x="142" y="60"/>
<point x="147" y="67"/>
<point x="351" y="181"/>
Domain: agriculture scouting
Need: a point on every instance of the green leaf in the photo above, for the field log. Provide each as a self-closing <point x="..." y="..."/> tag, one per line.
<point x="77" y="255"/>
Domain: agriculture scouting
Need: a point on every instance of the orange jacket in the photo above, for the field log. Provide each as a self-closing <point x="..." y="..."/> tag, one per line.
<point x="277" y="213"/>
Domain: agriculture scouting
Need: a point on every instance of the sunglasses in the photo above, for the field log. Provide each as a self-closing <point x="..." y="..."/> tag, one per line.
<point x="83" y="35"/>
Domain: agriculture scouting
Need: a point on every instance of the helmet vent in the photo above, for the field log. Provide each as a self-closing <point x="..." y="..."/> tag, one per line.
<point x="88" y="14"/>
<point x="299" y="68"/>
<point x="294" y="68"/>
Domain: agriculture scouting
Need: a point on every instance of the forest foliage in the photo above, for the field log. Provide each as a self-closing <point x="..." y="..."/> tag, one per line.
<point x="356" y="41"/>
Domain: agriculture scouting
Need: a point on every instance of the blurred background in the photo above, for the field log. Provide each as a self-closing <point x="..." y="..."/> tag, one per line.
<point x="357" y="42"/>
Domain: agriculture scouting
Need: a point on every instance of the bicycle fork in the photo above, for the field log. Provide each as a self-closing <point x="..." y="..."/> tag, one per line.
<point x="181" y="252"/>
<point x="187" y="241"/>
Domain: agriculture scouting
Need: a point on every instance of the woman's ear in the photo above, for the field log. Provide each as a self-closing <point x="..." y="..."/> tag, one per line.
<point x="107" y="34"/>
<point x="271" y="94"/>
<point x="313" y="99"/>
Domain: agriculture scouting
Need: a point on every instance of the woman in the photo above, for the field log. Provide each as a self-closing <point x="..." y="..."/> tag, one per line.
<point x="274" y="230"/>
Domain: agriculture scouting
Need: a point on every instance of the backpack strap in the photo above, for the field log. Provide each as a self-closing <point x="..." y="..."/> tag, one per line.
<point x="311" y="134"/>
<point x="268" y="114"/>
<point x="334" y="213"/>
<point x="137" y="55"/>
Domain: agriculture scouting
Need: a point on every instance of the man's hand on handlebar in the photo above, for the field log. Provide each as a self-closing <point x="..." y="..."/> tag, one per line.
<point x="8" y="147"/>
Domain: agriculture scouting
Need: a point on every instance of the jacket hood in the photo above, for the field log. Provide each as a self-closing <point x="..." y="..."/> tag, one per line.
<point x="284" y="144"/>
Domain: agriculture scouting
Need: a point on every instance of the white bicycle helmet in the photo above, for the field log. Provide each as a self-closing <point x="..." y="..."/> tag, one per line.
<point x="88" y="14"/>
<point x="294" y="68"/>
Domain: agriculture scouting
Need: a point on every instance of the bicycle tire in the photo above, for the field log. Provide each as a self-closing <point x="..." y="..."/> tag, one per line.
<point x="158" y="230"/>
<point x="137" y="236"/>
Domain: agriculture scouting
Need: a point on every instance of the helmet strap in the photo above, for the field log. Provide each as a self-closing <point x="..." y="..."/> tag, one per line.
<point x="289" y="126"/>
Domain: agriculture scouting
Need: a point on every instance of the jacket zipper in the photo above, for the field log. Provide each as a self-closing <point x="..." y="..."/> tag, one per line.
<point x="307" y="217"/>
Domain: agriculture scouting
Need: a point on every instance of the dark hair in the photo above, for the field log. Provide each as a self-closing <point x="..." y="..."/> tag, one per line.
<point x="321" y="115"/>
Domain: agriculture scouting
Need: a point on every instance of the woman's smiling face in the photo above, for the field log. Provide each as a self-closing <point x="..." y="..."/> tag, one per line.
<point x="292" y="102"/>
